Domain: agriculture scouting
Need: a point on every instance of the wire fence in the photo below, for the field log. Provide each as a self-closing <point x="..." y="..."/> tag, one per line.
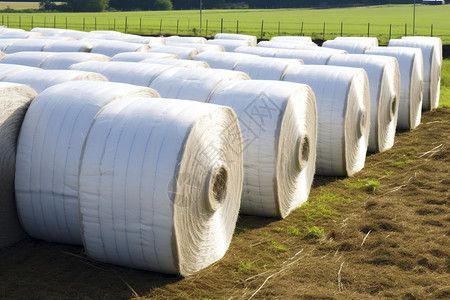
<point x="208" y="28"/>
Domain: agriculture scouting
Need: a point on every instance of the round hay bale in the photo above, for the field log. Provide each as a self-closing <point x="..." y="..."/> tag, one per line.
<point x="27" y="58"/>
<point x="243" y="37"/>
<point x="181" y="52"/>
<point x="48" y="155"/>
<point x="193" y="83"/>
<point x="4" y="43"/>
<point x="261" y="51"/>
<point x="76" y="34"/>
<point x="18" y="34"/>
<point x="70" y="46"/>
<point x="48" y="32"/>
<point x="228" y="44"/>
<point x="124" y="72"/>
<point x="140" y="56"/>
<point x="185" y="63"/>
<point x="148" y="40"/>
<point x="410" y="62"/>
<point x="286" y="45"/>
<point x="223" y="60"/>
<point x="343" y="110"/>
<point x="384" y="80"/>
<point x="266" y="68"/>
<point x="199" y="47"/>
<point x="373" y="41"/>
<point x="14" y="102"/>
<point x="111" y="47"/>
<point x="279" y="127"/>
<point x="292" y="39"/>
<point x="308" y="57"/>
<point x="432" y="64"/>
<point x="350" y="45"/>
<point x="163" y="205"/>
<point x="186" y="39"/>
<point x="28" y="45"/>
<point x="63" y="61"/>
<point x="11" y="69"/>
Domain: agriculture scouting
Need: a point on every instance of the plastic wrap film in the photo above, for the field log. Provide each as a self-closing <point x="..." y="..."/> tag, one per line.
<point x="261" y="51"/>
<point x="231" y="36"/>
<point x="186" y="39"/>
<point x="140" y="56"/>
<point x="384" y="80"/>
<point x="279" y="128"/>
<point x="181" y="52"/>
<point x="111" y="47"/>
<point x="11" y="69"/>
<point x="28" y="45"/>
<point x="352" y="46"/>
<point x="160" y="182"/>
<point x="26" y="58"/>
<point x="292" y="39"/>
<point x="63" y="61"/>
<point x="185" y="63"/>
<point x="410" y="62"/>
<point x="199" y="47"/>
<point x="14" y="102"/>
<point x="266" y="68"/>
<point x="228" y="44"/>
<point x="223" y="60"/>
<point x="70" y="46"/>
<point x="48" y="155"/>
<point x="343" y="114"/>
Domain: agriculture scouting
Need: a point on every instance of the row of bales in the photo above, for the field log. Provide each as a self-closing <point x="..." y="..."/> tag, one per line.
<point x="145" y="149"/>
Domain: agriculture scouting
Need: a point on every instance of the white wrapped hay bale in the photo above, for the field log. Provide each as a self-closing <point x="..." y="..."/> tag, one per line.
<point x="48" y="32"/>
<point x="266" y="68"/>
<point x="48" y="155"/>
<point x="410" y="63"/>
<point x="193" y="83"/>
<point x="111" y="47"/>
<point x="18" y="34"/>
<point x="167" y="198"/>
<point x="309" y="57"/>
<point x="343" y="115"/>
<point x="199" y="47"/>
<point x="287" y="45"/>
<point x="76" y="34"/>
<point x="372" y="41"/>
<point x="186" y="39"/>
<point x="231" y="36"/>
<point x="39" y="80"/>
<point x="185" y="63"/>
<point x="436" y="40"/>
<point x="350" y="45"/>
<point x="140" y="56"/>
<point x="27" y="58"/>
<point x="223" y="60"/>
<point x="229" y="45"/>
<point x="432" y="63"/>
<point x="4" y="43"/>
<point x="70" y="46"/>
<point x="181" y="52"/>
<point x="148" y="40"/>
<point x="124" y="72"/>
<point x="105" y="35"/>
<point x="14" y="102"/>
<point x="384" y="80"/>
<point x="63" y="61"/>
<point x="11" y="69"/>
<point x="261" y="51"/>
<point x="292" y="39"/>
<point x="278" y="123"/>
<point x="28" y="45"/>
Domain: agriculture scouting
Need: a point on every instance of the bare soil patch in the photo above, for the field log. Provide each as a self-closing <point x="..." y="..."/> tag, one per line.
<point x="386" y="234"/>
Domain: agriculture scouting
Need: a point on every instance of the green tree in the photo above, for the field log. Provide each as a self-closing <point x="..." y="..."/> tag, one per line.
<point x="87" y="5"/>
<point x="163" y="5"/>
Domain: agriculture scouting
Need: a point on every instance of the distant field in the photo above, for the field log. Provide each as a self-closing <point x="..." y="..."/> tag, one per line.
<point x="378" y="20"/>
<point x="19" y="5"/>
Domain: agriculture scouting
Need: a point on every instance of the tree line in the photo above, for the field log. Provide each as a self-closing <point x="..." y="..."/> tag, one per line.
<point x="126" y="5"/>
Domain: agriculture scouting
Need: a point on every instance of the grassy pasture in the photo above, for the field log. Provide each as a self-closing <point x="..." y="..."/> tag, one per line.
<point x="444" y="100"/>
<point x="355" y="21"/>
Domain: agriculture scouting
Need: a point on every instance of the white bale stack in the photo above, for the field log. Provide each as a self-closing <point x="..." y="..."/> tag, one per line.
<point x="14" y="102"/>
<point x="186" y="39"/>
<point x="112" y="47"/>
<point x="373" y="41"/>
<point x="181" y="52"/>
<point x="28" y="45"/>
<point x="11" y="69"/>
<point x="199" y="47"/>
<point x="140" y="56"/>
<point x="261" y="51"/>
<point x="48" y="155"/>
<point x="309" y="57"/>
<point x="343" y="110"/>
<point x="410" y="63"/>
<point x="124" y="72"/>
<point x="163" y="205"/>
<point x="287" y="45"/>
<point x="11" y="33"/>
<point x="63" y="61"/>
<point x="292" y="39"/>
<point x="148" y="40"/>
<point x="432" y="64"/>
<point x="229" y="44"/>
<point x="279" y="123"/>
<point x="267" y="68"/>
<point x="27" y="58"/>
<point x="384" y="80"/>
<point x="70" y="46"/>
<point x="40" y="80"/>
<point x="251" y="39"/>
<point x="223" y="60"/>
<point x="185" y="63"/>
<point x="352" y="46"/>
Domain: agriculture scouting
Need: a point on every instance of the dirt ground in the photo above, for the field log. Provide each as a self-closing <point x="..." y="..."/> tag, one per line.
<point x="386" y="234"/>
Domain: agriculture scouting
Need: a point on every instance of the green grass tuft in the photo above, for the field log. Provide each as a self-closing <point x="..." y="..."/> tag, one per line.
<point x="246" y="267"/>
<point x="279" y="247"/>
<point x="314" y="231"/>
<point x="292" y="230"/>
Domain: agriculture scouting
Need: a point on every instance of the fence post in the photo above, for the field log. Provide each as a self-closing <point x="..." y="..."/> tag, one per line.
<point x="114" y="24"/>
<point x="31" y="21"/>
<point x="20" y="21"/>
<point x="189" y="22"/>
<point x="237" y="26"/>
<point x="390" y="31"/>
<point x="279" y="27"/>
<point x="126" y="23"/>
<point x="368" y="29"/>
<point x="206" y="27"/>
<point x="262" y="28"/>
<point x="66" y="22"/>
<point x="160" y="26"/>
<point x="301" y="30"/>
<point x="54" y="21"/>
<point x="4" y="23"/>
<point x="221" y="25"/>
<point x="178" y="24"/>
<point x="45" y="22"/>
<point x="406" y="29"/>
<point x="342" y="26"/>
<point x="323" y="33"/>
<point x="140" y="25"/>
<point x="431" y="30"/>
<point x="84" y="22"/>
<point x="95" y="23"/>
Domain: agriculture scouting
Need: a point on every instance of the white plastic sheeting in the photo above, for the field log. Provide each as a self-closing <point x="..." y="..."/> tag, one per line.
<point x="48" y="155"/>
<point x="149" y="40"/>
<point x="231" y="36"/>
<point x="372" y="41"/>
<point x="384" y="80"/>
<point x="292" y="39"/>
<point x="343" y="110"/>
<point x="124" y="72"/>
<point x="261" y="51"/>
<point x="432" y="63"/>
<point x="410" y="63"/>
<point x="309" y="57"/>
<point x="18" y="34"/>
<point x="287" y="45"/>
<point x="39" y="80"/>
<point x="63" y="61"/>
<point x="199" y="47"/>
<point x="193" y="83"/>
<point x="229" y="45"/>
<point x="70" y="46"/>
<point x="352" y="46"/>
<point x="157" y="202"/>
<point x="267" y="68"/>
<point x="140" y="56"/>
<point x="223" y="60"/>
<point x="48" y="32"/>
<point x="26" y="58"/>
<point x="186" y="39"/>
<point x="278" y="122"/>
<point x="4" y="43"/>
<point x="430" y="39"/>
<point x="185" y="63"/>
<point x="111" y="48"/>
<point x="14" y="102"/>
<point x="28" y="45"/>
<point x="181" y="52"/>
<point x="11" y="69"/>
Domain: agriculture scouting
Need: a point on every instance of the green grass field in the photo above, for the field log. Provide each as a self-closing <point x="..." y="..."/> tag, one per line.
<point x="444" y="100"/>
<point x="355" y="21"/>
